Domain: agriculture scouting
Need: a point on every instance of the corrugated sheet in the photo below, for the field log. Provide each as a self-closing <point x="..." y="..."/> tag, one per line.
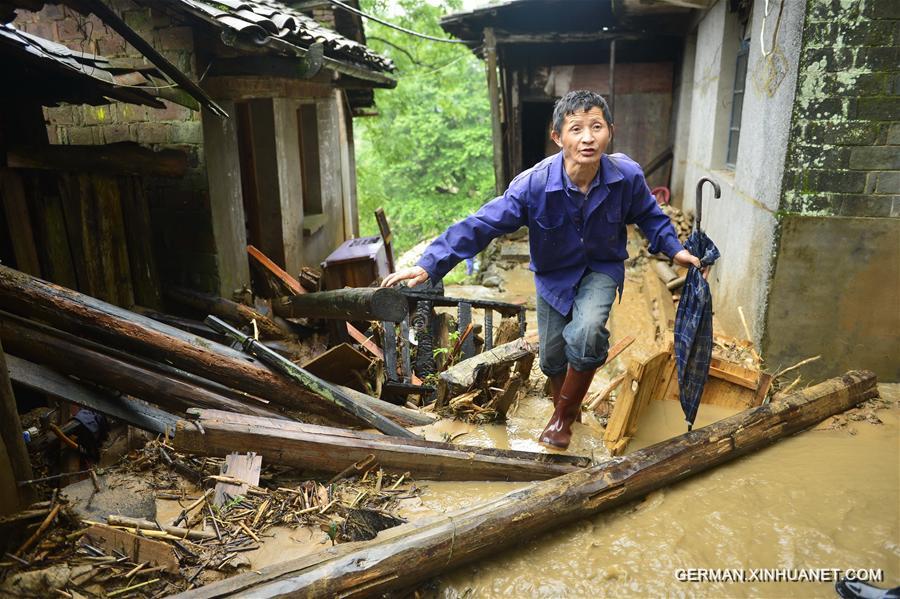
<point x="257" y="21"/>
<point x="98" y="77"/>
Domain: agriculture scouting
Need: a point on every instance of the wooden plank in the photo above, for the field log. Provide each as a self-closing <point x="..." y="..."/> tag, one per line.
<point x="287" y="280"/>
<point x="18" y="219"/>
<point x="331" y="449"/>
<point x="112" y="249"/>
<point x="243" y="467"/>
<point x="50" y="232"/>
<point x="138" y="549"/>
<point x="734" y="373"/>
<point x="421" y="550"/>
<point x="139" y="233"/>
<point x="133" y="412"/>
<point x="114" y="159"/>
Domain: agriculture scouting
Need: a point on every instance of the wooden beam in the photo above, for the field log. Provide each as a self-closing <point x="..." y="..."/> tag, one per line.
<point x="251" y="88"/>
<point x="355" y="303"/>
<point x="126" y="158"/>
<point x="490" y="54"/>
<point x="46" y="380"/>
<point x="61" y="353"/>
<point x="420" y="550"/>
<point x="399" y="414"/>
<point x="11" y="437"/>
<point x="330" y="450"/>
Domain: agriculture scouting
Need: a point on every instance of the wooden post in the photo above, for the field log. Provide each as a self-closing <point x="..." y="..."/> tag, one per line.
<point x="11" y="433"/>
<point x="420" y="550"/>
<point x="490" y="55"/>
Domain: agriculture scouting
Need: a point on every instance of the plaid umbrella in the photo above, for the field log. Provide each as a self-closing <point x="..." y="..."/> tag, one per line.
<point x="693" y="320"/>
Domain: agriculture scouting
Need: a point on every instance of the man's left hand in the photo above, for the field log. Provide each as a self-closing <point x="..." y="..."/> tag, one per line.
<point x="685" y="258"/>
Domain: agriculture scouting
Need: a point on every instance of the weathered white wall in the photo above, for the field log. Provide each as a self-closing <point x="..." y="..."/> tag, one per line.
<point x="318" y="244"/>
<point x="741" y="222"/>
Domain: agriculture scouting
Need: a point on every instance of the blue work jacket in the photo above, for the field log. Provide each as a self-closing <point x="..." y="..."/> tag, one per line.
<point x="569" y="232"/>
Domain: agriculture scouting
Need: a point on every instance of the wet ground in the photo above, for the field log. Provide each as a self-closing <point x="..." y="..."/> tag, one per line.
<point x="821" y="499"/>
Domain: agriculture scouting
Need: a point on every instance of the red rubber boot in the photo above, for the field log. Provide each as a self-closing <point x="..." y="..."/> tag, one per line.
<point x="558" y="431"/>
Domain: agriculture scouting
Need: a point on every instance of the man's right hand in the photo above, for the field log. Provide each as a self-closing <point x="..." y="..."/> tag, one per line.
<point x="414" y="274"/>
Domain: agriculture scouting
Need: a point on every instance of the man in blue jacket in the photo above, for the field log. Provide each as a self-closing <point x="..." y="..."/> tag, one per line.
<point x="576" y="205"/>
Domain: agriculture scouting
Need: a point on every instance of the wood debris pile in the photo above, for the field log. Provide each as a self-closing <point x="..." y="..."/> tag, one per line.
<point x="74" y="556"/>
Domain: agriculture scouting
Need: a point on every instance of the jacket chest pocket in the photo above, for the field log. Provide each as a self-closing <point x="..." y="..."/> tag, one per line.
<point x="550" y="238"/>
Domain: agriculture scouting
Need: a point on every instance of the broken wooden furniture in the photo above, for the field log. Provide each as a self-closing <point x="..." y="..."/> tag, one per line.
<point x="420" y="550"/>
<point x="729" y="385"/>
<point x="356" y="263"/>
<point x="316" y="385"/>
<point x="330" y="450"/>
<point x="496" y="375"/>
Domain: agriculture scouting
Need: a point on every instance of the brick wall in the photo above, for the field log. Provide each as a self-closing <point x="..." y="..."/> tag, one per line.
<point x="844" y="154"/>
<point x="179" y="209"/>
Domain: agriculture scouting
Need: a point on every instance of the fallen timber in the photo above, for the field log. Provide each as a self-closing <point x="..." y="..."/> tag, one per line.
<point x="321" y="388"/>
<point x="464" y="375"/>
<point x="330" y="450"/>
<point x="69" y="358"/>
<point x="357" y="303"/>
<point x="417" y="551"/>
<point x="82" y="315"/>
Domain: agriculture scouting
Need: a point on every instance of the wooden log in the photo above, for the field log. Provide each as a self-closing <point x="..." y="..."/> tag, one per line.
<point x="269" y="328"/>
<point x="330" y="449"/>
<point x="83" y="315"/>
<point x="175" y="531"/>
<point x="128" y="410"/>
<point x="420" y="550"/>
<point x="11" y="437"/>
<point x="69" y="358"/>
<point x="355" y="303"/>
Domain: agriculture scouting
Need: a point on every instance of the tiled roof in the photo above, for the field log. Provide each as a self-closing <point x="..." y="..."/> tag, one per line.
<point x="257" y="21"/>
<point x="92" y="78"/>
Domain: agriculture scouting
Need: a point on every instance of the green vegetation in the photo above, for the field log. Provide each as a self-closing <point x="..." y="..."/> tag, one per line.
<point x="426" y="158"/>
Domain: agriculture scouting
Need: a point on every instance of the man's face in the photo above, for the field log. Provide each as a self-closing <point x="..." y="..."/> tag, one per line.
<point x="585" y="136"/>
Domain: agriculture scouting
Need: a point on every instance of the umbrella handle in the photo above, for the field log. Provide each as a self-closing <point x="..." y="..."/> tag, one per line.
<point x="718" y="194"/>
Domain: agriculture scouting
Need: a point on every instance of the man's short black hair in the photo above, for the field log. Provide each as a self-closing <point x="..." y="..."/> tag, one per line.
<point x="579" y="99"/>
